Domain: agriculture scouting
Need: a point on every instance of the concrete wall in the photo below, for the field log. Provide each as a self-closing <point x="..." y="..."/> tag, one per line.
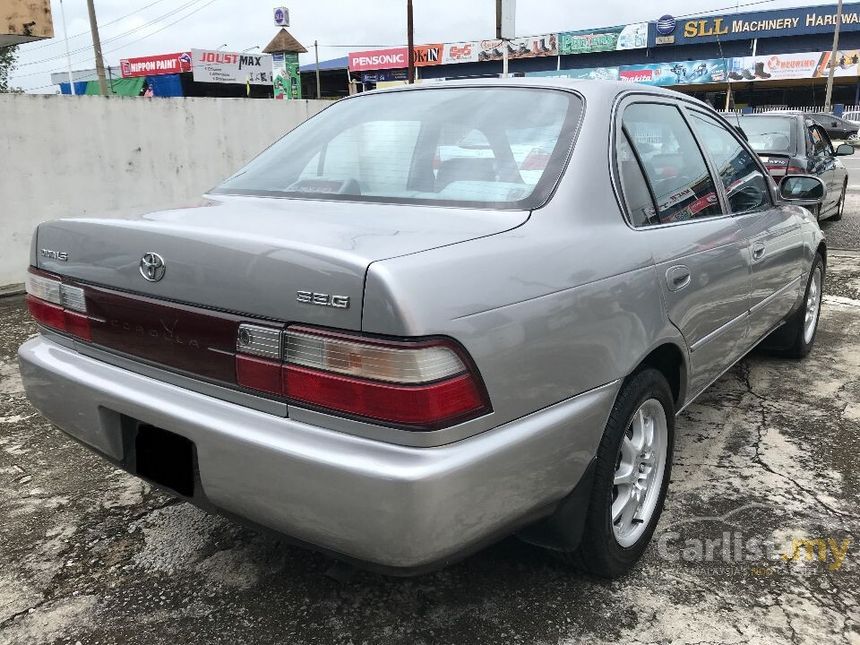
<point x="66" y="156"/>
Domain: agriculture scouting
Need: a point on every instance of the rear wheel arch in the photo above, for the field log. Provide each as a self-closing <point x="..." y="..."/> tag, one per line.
<point x="669" y="360"/>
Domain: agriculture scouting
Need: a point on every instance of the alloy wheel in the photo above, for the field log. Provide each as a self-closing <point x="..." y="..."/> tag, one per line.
<point x="813" y="303"/>
<point x="639" y="470"/>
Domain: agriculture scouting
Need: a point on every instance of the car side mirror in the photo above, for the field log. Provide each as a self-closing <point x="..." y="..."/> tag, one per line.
<point x="803" y="190"/>
<point x="844" y="149"/>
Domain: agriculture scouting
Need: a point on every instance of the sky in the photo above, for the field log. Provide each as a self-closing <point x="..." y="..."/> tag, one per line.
<point x="145" y="27"/>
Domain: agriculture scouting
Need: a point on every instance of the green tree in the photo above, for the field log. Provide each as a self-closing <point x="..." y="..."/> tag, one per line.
<point x="8" y="59"/>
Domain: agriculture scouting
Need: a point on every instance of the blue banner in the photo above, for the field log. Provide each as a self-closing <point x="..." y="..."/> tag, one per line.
<point x="745" y="26"/>
<point x="688" y="72"/>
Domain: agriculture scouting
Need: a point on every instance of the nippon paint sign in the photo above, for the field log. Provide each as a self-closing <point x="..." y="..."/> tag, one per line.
<point x="210" y="66"/>
<point x="156" y="65"/>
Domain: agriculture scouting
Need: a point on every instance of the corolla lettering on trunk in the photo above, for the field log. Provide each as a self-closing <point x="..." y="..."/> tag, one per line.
<point x="62" y="256"/>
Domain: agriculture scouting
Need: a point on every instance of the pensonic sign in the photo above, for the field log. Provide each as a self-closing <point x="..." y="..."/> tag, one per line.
<point x="760" y="24"/>
<point x="395" y="58"/>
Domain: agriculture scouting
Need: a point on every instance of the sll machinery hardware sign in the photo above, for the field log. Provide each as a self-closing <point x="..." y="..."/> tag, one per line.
<point x="746" y="26"/>
<point x="211" y="66"/>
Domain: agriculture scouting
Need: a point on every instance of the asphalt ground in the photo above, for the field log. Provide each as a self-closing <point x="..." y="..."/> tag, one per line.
<point x="759" y="542"/>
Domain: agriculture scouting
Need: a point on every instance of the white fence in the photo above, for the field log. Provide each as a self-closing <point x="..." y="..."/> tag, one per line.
<point x="803" y="108"/>
<point x="96" y="156"/>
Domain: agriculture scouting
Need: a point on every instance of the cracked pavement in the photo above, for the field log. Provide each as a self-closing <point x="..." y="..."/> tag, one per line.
<point x="766" y="457"/>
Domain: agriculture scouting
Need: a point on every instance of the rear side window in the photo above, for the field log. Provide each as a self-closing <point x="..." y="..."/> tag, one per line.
<point x="746" y="185"/>
<point x="673" y="165"/>
<point x="500" y="147"/>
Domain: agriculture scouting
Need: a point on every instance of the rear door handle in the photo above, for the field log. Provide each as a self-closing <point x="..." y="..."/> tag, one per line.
<point x="678" y="277"/>
<point x="757" y="251"/>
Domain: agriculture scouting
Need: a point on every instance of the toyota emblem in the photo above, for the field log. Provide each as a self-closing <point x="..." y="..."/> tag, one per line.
<point x="152" y="267"/>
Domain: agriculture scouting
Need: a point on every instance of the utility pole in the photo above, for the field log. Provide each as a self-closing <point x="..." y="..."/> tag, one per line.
<point x="97" y="46"/>
<point x="410" y="38"/>
<point x="317" y="55"/>
<point x="68" y="58"/>
<point x="833" y="55"/>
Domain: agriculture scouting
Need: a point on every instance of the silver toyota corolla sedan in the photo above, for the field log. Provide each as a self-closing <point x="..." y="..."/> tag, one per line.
<point x="431" y="317"/>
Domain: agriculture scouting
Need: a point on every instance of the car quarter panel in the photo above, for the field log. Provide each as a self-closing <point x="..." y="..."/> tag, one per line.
<point x="565" y="303"/>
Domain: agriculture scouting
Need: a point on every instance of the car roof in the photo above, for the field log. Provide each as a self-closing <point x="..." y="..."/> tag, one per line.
<point x="587" y="87"/>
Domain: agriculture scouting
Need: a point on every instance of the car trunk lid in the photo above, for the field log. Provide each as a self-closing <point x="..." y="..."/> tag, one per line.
<point x="287" y="260"/>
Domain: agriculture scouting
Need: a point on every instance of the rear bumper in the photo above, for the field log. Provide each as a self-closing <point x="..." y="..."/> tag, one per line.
<point x="392" y="506"/>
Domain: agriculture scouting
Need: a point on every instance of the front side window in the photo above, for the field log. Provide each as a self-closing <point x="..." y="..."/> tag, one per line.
<point x="820" y="142"/>
<point x="473" y="147"/>
<point x="745" y="184"/>
<point x="672" y="163"/>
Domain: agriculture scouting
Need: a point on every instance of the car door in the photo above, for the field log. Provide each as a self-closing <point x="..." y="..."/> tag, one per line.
<point x="773" y="232"/>
<point x="699" y="251"/>
<point x="824" y="165"/>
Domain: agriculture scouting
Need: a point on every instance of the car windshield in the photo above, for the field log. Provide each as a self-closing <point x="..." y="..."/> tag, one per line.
<point x="501" y="147"/>
<point x="769" y="133"/>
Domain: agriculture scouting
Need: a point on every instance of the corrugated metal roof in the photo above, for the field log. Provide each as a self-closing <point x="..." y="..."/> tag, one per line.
<point x="326" y="65"/>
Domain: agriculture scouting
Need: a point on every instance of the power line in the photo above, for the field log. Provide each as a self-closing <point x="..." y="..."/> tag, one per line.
<point x="117" y="36"/>
<point x="167" y="26"/>
<point x="85" y="33"/>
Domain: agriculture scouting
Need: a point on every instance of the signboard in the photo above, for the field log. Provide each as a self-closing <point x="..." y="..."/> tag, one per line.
<point x="688" y="72"/>
<point x="286" y="79"/>
<point x="633" y="36"/>
<point x="282" y="17"/>
<point x="585" y="73"/>
<point x="384" y="76"/>
<point x="529" y="47"/>
<point x="211" y="66"/>
<point x="793" y="66"/>
<point x="155" y="65"/>
<point x="424" y="55"/>
<point x="746" y="26"/>
<point x="378" y="59"/>
<point x="507" y="26"/>
<point x="460" y="53"/>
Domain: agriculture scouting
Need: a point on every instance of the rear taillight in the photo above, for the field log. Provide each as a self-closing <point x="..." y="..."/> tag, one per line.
<point x="795" y="170"/>
<point x="56" y="305"/>
<point x="421" y="385"/>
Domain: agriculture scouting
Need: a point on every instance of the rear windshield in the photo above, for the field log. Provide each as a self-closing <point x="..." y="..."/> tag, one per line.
<point x="475" y="147"/>
<point x="770" y="133"/>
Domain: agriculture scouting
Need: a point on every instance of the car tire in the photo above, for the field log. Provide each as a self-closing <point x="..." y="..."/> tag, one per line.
<point x="841" y="205"/>
<point x="797" y="336"/>
<point x="609" y="548"/>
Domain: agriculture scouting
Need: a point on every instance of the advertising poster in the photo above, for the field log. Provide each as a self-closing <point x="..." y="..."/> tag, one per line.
<point x="603" y="40"/>
<point x="210" y="66"/>
<point x="529" y="47"/>
<point x="424" y="55"/>
<point x="285" y="74"/>
<point x="793" y="66"/>
<point x="690" y="72"/>
<point x="460" y="53"/>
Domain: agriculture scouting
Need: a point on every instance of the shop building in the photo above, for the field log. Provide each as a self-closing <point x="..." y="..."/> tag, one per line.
<point x="764" y="58"/>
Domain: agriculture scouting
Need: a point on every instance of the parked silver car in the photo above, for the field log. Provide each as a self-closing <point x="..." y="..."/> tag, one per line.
<point x="396" y="355"/>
